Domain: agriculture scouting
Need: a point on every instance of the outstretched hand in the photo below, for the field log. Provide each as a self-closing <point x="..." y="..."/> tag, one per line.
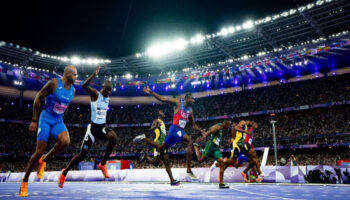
<point x="97" y="70"/>
<point x="147" y="90"/>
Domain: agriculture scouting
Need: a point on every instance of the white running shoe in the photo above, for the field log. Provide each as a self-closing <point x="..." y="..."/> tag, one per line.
<point x="192" y="176"/>
<point x="260" y="178"/>
<point x="139" y="138"/>
<point x="212" y="167"/>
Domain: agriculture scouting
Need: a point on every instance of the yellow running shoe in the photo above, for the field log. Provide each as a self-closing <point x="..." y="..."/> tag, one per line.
<point x="41" y="168"/>
<point x="23" y="191"/>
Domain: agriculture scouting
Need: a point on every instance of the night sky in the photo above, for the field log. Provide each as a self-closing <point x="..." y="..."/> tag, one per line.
<point x="115" y="28"/>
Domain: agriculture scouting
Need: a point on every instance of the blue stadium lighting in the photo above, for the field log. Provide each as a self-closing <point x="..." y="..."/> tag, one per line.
<point x="138" y="87"/>
<point x="28" y="105"/>
<point x="153" y="87"/>
<point x="166" y="88"/>
<point x="138" y="105"/>
<point x="236" y="81"/>
<point x="207" y="85"/>
<point x="78" y="108"/>
<point x="181" y="87"/>
<point x="121" y="107"/>
<point x="12" y="103"/>
<point x="122" y="86"/>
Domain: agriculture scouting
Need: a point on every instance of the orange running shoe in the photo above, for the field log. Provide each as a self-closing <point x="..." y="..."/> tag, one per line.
<point x="41" y="168"/>
<point x="23" y="191"/>
<point x="103" y="168"/>
<point x="61" y="180"/>
<point x="244" y="175"/>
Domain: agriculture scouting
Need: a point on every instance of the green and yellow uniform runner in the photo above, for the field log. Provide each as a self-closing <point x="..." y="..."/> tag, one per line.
<point x="160" y="136"/>
<point x="212" y="148"/>
<point x="238" y="145"/>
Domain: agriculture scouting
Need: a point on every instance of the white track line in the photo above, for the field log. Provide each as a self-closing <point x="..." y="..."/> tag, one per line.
<point x="265" y="195"/>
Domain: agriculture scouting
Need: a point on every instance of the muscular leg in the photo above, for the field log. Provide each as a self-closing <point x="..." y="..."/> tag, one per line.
<point x="112" y="140"/>
<point x="40" y="148"/>
<point x="253" y="161"/>
<point x="154" y="161"/>
<point x="251" y="164"/>
<point x="188" y="141"/>
<point x="165" y="160"/>
<point x="222" y="170"/>
<point x="155" y="144"/>
<point x="77" y="158"/>
<point x="62" y="143"/>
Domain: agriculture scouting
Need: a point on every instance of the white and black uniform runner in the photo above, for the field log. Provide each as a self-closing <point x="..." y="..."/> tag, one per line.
<point x="97" y="128"/>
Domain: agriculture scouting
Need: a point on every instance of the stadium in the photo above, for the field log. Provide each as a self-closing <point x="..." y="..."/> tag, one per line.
<point x="258" y="109"/>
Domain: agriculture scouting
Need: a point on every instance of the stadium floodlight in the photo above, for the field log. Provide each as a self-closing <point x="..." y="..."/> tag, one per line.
<point x="128" y="76"/>
<point x="231" y="29"/>
<point x="164" y="48"/>
<point x="198" y="39"/>
<point x="75" y="60"/>
<point x="179" y="44"/>
<point x="238" y="28"/>
<point x="224" y="31"/>
<point x="248" y="24"/>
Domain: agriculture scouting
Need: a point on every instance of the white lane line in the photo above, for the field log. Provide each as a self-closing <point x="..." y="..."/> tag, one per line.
<point x="265" y="195"/>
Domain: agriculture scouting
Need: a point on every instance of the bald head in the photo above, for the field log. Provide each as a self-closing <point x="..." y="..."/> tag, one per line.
<point x="106" y="88"/>
<point x="70" y="73"/>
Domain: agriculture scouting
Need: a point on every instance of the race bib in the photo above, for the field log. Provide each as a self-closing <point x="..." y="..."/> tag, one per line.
<point x="182" y="123"/>
<point x="217" y="141"/>
<point x="59" y="108"/>
<point x="101" y="114"/>
<point x="250" y="141"/>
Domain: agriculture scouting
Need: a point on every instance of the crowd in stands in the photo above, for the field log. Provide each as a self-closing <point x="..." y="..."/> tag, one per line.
<point x="315" y="126"/>
<point x="334" y="88"/>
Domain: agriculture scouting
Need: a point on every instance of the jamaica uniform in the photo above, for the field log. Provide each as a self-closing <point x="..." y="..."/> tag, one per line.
<point x="160" y="137"/>
<point x="239" y="145"/>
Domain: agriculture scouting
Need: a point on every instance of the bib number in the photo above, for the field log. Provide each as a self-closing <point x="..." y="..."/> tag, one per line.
<point x="217" y="141"/>
<point x="59" y="108"/>
<point x="250" y="141"/>
<point x="182" y="123"/>
<point x="179" y="133"/>
<point x="101" y="114"/>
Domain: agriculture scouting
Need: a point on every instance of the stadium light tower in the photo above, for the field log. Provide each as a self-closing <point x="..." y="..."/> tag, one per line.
<point x="274" y="139"/>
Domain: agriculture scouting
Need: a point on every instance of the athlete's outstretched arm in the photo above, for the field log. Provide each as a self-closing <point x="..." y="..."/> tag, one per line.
<point x="212" y="130"/>
<point x="48" y="88"/>
<point x="239" y="127"/>
<point x="253" y="124"/>
<point x="91" y="91"/>
<point x="161" y="98"/>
